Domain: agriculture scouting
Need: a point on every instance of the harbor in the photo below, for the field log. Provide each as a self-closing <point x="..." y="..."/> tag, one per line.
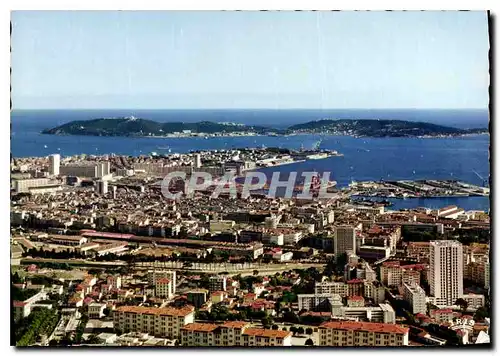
<point x="417" y="189"/>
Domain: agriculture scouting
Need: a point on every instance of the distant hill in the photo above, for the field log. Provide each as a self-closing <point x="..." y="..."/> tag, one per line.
<point x="379" y="128"/>
<point x="131" y="126"/>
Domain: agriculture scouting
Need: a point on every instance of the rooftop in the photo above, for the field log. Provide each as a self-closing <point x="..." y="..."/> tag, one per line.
<point x="200" y="327"/>
<point x="267" y="333"/>
<point x="365" y="326"/>
<point x="156" y="311"/>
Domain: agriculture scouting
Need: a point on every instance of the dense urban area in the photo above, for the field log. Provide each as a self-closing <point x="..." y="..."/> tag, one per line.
<point x="100" y="257"/>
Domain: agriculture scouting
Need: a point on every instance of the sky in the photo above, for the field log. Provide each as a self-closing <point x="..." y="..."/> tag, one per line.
<point x="191" y="59"/>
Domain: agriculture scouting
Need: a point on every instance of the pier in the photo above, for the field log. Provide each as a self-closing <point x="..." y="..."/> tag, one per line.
<point x="417" y="189"/>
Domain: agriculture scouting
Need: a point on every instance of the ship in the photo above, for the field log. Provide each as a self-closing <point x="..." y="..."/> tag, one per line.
<point x="317" y="156"/>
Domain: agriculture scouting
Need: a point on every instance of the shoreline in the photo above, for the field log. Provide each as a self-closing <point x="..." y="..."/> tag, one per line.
<point x="209" y="136"/>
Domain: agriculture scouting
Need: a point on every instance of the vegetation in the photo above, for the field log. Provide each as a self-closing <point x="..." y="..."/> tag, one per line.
<point x="462" y="303"/>
<point x="80" y="329"/>
<point x="22" y="294"/>
<point x="309" y="342"/>
<point x="141" y="127"/>
<point x="380" y="128"/>
<point x="93" y="339"/>
<point x="54" y="265"/>
<point x="42" y="253"/>
<point x="41" y="321"/>
<point x="16" y="278"/>
<point x="481" y="313"/>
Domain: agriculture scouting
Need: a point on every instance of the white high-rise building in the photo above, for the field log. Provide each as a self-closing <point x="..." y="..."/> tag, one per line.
<point x="102" y="187"/>
<point x="344" y="240"/>
<point x="446" y="272"/>
<point x="415" y="296"/>
<point x="106" y="168"/>
<point x="54" y="164"/>
<point x="197" y="160"/>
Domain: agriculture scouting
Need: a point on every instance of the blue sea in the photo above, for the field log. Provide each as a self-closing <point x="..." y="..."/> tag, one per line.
<point x="462" y="158"/>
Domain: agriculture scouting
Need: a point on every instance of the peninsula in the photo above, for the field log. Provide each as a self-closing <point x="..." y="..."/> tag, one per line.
<point x="131" y="126"/>
<point x="381" y="128"/>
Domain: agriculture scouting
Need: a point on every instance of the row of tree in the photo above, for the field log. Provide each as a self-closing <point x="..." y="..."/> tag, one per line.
<point x="41" y="321"/>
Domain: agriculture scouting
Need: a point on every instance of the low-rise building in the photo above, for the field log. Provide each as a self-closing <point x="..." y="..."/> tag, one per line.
<point x="232" y="333"/>
<point x="350" y="333"/>
<point x="96" y="310"/>
<point x="319" y="302"/>
<point x="161" y="322"/>
<point x="163" y="288"/>
<point x="415" y="296"/>
<point x="384" y="313"/>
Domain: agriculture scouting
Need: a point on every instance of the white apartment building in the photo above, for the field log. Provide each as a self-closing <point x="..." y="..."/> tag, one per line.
<point x="161" y="322"/>
<point x="384" y="313"/>
<point x="274" y="238"/>
<point x="96" y="310"/>
<point x="102" y="187"/>
<point x="339" y="288"/>
<point x="351" y="333"/>
<point x="232" y="333"/>
<point x="221" y="225"/>
<point x="24" y="185"/>
<point x="154" y="275"/>
<point x="217" y="283"/>
<point x="292" y="238"/>
<point x="163" y="288"/>
<point x="54" y="164"/>
<point x="86" y="169"/>
<point x="319" y="301"/>
<point x="79" y="170"/>
<point x="374" y="291"/>
<point x="446" y="271"/>
<point x="415" y="296"/>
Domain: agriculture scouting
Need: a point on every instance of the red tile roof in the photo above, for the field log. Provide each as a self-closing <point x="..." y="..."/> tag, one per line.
<point x="356" y="297"/>
<point x="353" y="281"/>
<point x="267" y="333"/>
<point x="365" y="326"/>
<point x="200" y="327"/>
<point x="157" y="311"/>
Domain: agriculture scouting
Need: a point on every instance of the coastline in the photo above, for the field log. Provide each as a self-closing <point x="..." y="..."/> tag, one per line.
<point x="208" y="136"/>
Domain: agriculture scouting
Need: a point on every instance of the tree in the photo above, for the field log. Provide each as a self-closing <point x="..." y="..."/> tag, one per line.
<point x="462" y="303"/>
<point x="300" y="330"/>
<point x="309" y="342"/>
<point x="309" y="331"/>
<point x="275" y="327"/>
<point x="430" y="307"/>
<point x="293" y="329"/>
<point x="481" y="313"/>
<point x="266" y="321"/>
<point x="107" y="311"/>
<point x="93" y="339"/>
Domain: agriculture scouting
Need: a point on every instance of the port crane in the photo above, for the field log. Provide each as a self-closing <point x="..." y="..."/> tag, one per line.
<point x="317" y="144"/>
<point x="484" y="181"/>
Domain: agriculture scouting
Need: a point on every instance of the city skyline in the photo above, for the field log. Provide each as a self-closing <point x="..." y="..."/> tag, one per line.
<point x="162" y="60"/>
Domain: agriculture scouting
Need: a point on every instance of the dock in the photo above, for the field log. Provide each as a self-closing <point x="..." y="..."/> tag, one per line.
<point x="417" y="189"/>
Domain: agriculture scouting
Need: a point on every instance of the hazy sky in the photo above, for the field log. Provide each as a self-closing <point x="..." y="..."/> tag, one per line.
<point x="249" y="59"/>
